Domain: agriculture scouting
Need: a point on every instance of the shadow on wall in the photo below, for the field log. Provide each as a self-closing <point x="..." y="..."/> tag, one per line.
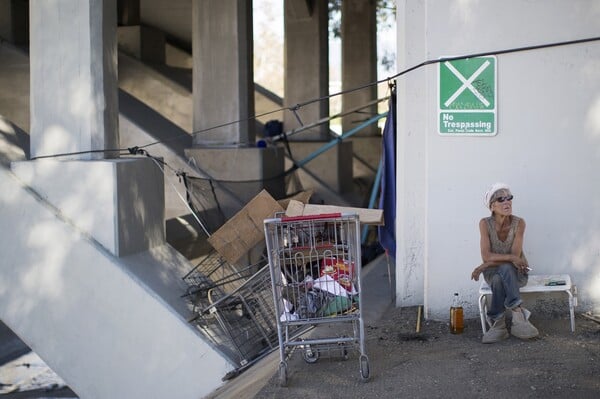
<point x="141" y="209"/>
<point x="156" y="125"/>
<point x="14" y="142"/>
<point x="585" y="258"/>
<point x="585" y="261"/>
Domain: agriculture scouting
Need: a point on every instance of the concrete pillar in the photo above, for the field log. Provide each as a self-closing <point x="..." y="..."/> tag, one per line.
<point x="145" y="43"/>
<point x="74" y="105"/>
<point x="14" y="21"/>
<point x="223" y="82"/>
<point x="306" y="65"/>
<point x="359" y="62"/>
<point x="128" y="12"/>
<point x="74" y="110"/>
<point x="223" y="87"/>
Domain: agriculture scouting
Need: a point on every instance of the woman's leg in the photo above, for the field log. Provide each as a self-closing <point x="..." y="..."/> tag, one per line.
<point x="495" y="314"/>
<point x="496" y="309"/>
<point x="504" y="282"/>
<point x="510" y="283"/>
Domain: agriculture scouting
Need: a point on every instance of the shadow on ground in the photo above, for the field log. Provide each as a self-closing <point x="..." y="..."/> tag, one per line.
<point x="437" y="364"/>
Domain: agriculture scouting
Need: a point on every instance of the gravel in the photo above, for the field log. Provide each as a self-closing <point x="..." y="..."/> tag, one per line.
<point x="437" y="364"/>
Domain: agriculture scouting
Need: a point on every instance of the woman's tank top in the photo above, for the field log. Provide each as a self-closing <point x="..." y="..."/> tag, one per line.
<point x="498" y="246"/>
<point x="503" y="247"/>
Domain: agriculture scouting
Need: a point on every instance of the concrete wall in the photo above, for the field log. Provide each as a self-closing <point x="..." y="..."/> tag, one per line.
<point x="547" y="146"/>
<point x="164" y="113"/>
<point x="110" y="327"/>
<point x="158" y="91"/>
<point x="73" y="72"/>
<point x="174" y="17"/>
<point x="127" y="195"/>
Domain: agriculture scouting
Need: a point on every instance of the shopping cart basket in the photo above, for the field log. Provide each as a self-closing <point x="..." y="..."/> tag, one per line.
<point x="241" y="323"/>
<point x="315" y="265"/>
<point x="215" y="275"/>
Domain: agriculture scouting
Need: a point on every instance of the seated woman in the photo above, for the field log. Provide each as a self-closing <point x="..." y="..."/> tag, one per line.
<point x="504" y="266"/>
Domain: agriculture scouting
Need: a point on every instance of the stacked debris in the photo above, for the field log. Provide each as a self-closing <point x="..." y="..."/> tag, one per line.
<point x="230" y="289"/>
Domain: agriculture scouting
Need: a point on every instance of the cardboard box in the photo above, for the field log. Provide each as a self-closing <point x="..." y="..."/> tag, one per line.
<point x="303" y="197"/>
<point x="245" y="229"/>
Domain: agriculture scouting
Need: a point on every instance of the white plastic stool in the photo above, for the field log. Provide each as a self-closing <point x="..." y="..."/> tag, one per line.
<point x="535" y="283"/>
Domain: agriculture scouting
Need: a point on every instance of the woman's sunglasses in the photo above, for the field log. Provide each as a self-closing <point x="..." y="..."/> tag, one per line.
<point x="502" y="199"/>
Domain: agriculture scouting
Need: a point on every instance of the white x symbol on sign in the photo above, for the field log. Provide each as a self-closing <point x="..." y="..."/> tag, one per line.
<point x="467" y="84"/>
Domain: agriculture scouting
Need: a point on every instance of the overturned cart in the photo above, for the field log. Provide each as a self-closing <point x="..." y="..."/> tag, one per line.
<point x="315" y="265"/>
<point x="233" y="308"/>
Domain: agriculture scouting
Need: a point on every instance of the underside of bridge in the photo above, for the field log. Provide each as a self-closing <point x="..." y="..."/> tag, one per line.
<point x="108" y="107"/>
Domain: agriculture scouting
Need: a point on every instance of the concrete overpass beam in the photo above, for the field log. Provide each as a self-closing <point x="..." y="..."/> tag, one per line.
<point x="306" y="65"/>
<point x="223" y="83"/>
<point x="359" y="62"/>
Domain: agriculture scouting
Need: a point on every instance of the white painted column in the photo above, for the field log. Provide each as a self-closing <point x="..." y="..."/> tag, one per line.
<point x="74" y="106"/>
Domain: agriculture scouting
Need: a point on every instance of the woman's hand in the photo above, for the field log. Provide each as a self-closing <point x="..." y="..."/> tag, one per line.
<point x="521" y="265"/>
<point x="477" y="271"/>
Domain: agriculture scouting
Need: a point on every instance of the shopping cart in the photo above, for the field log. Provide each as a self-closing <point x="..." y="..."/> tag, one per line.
<point x="241" y="323"/>
<point x="315" y="265"/>
<point x="215" y="275"/>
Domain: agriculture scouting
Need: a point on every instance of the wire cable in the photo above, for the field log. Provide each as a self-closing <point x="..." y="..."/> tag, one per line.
<point x="158" y="164"/>
<point x="296" y="107"/>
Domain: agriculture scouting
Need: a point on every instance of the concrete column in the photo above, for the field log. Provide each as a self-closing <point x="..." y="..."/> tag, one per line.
<point x="74" y="104"/>
<point x="14" y="21"/>
<point x="306" y="65"/>
<point x="128" y="12"/>
<point x="223" y="82"/>
<point x="74" y="109"/>
<point x="359" y="62"/>
<point x="145" y="43"/>
<point x="223" y="87"/>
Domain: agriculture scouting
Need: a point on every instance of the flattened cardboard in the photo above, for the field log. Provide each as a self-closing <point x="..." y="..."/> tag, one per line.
<point x="303" y="196"/>
<point x="245" y="229"/>
<point x="366" y="216"/>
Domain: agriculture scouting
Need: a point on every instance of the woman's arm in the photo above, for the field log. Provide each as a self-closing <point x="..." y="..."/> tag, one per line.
<point x="486" y="247"/>
<point x="493" y="259"/>
<point x="479" y="269"/>
<point x="517" y="248"/>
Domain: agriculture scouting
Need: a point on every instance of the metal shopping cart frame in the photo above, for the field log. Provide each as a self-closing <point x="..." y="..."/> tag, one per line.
<point x="315" y="265"/>
<point x="215" y="275"/>
<point x="241" y="323"/>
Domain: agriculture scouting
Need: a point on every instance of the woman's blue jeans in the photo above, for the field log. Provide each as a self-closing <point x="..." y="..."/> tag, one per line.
<point x="505" y="281"/>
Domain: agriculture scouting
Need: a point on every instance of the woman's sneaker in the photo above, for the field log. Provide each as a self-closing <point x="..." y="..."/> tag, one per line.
<point x="521" y="327"/>
<point x="497" y="332"/>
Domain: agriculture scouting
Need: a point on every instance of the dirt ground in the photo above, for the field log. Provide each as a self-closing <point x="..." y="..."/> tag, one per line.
<point x="437" y="364"/>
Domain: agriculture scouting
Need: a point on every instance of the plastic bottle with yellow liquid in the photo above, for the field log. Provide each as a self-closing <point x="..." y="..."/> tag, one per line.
<point x="456" y="316"/>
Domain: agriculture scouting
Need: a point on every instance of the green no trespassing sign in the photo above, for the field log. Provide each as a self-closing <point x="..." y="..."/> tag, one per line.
<point x="467" y="97"/>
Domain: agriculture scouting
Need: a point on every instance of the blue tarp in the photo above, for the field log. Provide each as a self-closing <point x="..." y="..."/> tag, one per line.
<point x="387" y="199"/>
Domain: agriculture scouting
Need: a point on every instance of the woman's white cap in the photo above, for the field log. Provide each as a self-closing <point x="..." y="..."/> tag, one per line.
<point x="490" y="193"/>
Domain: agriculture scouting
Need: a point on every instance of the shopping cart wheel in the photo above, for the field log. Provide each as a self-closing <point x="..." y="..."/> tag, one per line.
<point x="364" y="368"/>
<point x="282" y="374"/>
<point x="309" y="355"/>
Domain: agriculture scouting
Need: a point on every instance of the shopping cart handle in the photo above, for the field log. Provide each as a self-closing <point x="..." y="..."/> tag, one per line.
<point x="311" y="217"/>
